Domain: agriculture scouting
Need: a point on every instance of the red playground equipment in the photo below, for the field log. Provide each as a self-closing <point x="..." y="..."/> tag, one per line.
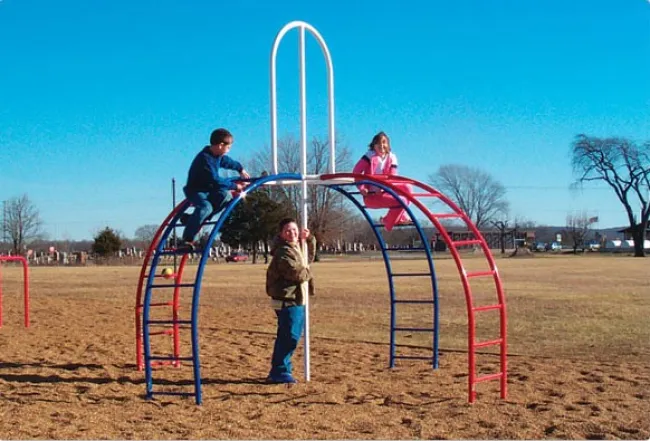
<point x="25" y="283"/>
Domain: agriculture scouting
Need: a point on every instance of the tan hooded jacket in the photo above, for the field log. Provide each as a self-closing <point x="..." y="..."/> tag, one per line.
<point x="286" y="272"/>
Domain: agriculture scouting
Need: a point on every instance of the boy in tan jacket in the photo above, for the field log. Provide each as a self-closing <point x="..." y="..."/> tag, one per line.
<point x="284" y="276"/>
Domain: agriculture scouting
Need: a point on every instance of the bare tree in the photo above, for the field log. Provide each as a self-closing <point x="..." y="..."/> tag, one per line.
<point x="577" y="228"/>
<point x="144" y="234"/>
<point x="504" y="230"/>
<point x="477" y="193"/>
<point x="625" y="167"/>
<point x="328" y="212"/>
<point x="22" y="222"/>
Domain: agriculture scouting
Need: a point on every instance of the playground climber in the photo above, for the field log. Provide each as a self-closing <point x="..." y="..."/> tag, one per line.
<point x="284" y="276"/>
<point x="205" y="189"/>
<point x="380" y="160"/>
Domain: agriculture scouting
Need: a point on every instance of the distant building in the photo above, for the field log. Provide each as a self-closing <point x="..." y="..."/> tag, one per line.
<point x="492" y="236"/>
<point x="629" y="231"/>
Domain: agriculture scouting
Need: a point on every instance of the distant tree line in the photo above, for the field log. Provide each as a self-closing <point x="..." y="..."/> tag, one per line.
<point x="618" y="162"/>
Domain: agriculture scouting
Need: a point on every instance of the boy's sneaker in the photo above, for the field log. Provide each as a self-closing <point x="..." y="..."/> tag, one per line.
<point x="281" y="379"/>
<point x="187" y="246"/>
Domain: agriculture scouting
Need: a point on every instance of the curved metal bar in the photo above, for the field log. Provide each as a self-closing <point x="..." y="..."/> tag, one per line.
<point x="205" y="255"/>
<point x="387" y="264"/>
<point x="172" y="220"/>
<point x="471" y="334"/>
<point x="181" y="207"/>
<point x="434" y="284"/>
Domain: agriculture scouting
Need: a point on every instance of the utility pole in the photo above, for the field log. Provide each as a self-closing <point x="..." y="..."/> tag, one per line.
<point x="4" y="222"/>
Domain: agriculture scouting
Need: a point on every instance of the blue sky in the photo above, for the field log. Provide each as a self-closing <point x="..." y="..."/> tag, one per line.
<point x="103" y="102"/>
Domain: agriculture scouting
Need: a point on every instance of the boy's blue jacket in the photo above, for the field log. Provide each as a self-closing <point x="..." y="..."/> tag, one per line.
<point x="204" y="172"/>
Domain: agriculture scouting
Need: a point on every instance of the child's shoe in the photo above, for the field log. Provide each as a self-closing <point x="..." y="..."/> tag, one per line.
<point x="281" y="379"/>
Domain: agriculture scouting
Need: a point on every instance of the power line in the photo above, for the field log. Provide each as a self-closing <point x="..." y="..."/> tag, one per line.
<point x="542" y="187"/>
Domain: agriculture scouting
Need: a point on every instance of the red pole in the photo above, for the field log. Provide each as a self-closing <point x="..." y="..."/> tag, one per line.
<point x="26" y="295"/>
<point x="22" y="260"/>
<point x="0" y="295"/>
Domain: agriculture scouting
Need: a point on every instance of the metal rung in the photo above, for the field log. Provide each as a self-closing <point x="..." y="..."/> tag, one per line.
<point x="169" y="322"/>
<point x="414" y="301"/>
<point x="413" y="329"/>
<point x="488" y="343"/>
<point x="158" y="358"/>
<point x="164" y="363"/>
<point x="166" y="331"/>
<point x="162" y="304"/>
<point x="488" y="377"/>
<point x="173" y="285"/>
<point x="479" y="274"/>
<point x="424" y="195"/>
<point x="410" y="274"/>
<point x="413" y="357"/>
<point x="182" y="394"/>
<point x="447" y="215"/>
<point x="157" y="304"/>
<point x="487" y="308"/>
<point x="460" y="243"/>
<point x="146" y="276"/>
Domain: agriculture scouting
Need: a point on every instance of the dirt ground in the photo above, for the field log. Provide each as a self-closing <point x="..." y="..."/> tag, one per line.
<point x="72" y="374"/>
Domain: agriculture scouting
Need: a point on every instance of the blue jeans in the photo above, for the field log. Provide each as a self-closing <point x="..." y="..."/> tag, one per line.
<point x="291" y="321"/>
<point x="206" y="204"/>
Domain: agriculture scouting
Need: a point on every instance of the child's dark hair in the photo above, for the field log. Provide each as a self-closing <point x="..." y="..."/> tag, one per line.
<point x="377" y="138"/>
<point x="287" y="220"/>
<point x="219" y="135"/>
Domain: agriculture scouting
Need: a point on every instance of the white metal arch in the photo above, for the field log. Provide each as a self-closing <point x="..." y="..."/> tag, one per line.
<point x="303" y="97"/>
<point x="301" y="25"/>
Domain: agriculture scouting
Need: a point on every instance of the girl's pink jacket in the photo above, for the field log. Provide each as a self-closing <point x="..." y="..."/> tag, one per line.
<point x="370" y="160"/>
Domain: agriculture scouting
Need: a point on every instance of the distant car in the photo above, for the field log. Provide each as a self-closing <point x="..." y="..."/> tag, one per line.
<point x="237" y="257"/>
<point x="554" y="246"/>
<point x="592" y="245"/>
<point x="539" y="246"/>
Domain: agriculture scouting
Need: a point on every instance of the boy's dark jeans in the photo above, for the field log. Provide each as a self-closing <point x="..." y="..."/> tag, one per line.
<point x="206" y="204"/>
<point x="291" y="321"/>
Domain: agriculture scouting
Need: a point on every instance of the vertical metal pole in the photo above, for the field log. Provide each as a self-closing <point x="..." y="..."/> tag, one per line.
<point x="274" y="110"/>
<point x="332" y="130"/>
<point x="304" y="220"/>
<point x="26" y="290"/>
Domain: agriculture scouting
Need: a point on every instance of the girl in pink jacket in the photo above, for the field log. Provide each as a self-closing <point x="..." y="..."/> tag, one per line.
<point x="379" y="160"/>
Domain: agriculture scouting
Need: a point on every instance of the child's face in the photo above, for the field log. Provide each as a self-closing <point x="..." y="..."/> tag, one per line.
<point x="290" y="232"/>
<point x="224" y="147"/>
<point x="381" y="146"/>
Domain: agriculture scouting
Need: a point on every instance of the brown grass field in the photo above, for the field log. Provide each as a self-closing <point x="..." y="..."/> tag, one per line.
<point x="579" y="357"/>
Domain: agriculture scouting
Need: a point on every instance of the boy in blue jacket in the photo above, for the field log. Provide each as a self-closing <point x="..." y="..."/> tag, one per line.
<point x="205" y="189"/>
